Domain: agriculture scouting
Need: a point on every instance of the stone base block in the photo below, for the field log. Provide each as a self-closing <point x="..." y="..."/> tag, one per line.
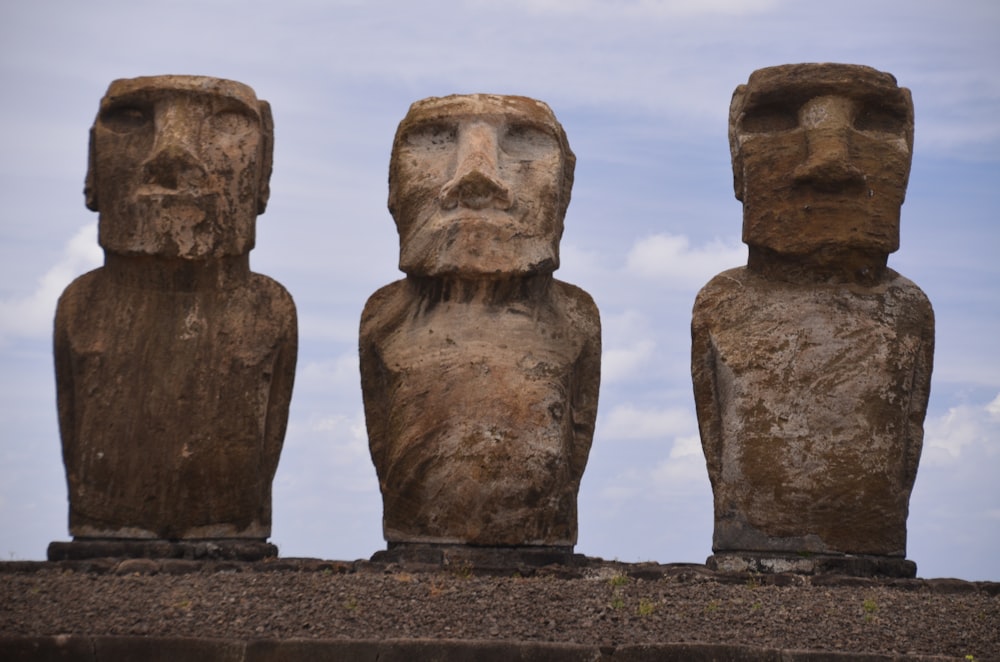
<point x="479" y="558"/>
<point x="221" y="549"/>
<point x="813" y="564"/>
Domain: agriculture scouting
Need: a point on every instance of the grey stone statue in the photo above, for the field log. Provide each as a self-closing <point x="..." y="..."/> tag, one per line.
<point x="812" y="364"/>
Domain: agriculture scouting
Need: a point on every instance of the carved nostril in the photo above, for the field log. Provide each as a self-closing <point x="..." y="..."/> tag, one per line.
<point x="173" y="168"/>
<point x="828" y="174"/>
<point x="828" y="166"/>
<point x="476" y="190"/>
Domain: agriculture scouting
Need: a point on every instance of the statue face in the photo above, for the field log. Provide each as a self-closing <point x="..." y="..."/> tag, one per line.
<point x="179" y="166"/>
<point x="821" y="157"/>
<point x="478" y="186"/>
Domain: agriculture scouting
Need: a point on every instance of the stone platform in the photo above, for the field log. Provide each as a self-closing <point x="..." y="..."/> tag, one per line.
<point x="217" y="549"/>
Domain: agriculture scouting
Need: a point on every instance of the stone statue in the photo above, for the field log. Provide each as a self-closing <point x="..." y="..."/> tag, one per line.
<point x="812" y="364"/>
<point x="174" y="362"/>
<point x="480" y="372"/>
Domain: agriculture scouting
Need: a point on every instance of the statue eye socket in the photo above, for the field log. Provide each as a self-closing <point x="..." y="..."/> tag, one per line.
<point x="527" y="141"/>
<point x="770" y="118"/>
<point x="884" y="119"/>
<point x="231" y="122"/>
<point x="123" y="119"/>
<point x="431" y="136"/>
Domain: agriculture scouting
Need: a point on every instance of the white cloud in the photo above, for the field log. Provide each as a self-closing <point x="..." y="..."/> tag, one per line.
<point x="345" y="438"/>
<point x="994" y="408"/>
<point x="949" y="437"/>
<point x="336" y="374"/>
<point x="629" y="422"/>
<point x="682" y="472"/>
<point x="674" y="263"/>
<point x="684" y="468"/>
<point x="32" y="316"/>
<point x="620" y="364"/>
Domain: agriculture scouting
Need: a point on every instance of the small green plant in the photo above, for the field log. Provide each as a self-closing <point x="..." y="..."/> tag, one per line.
<point x="620" y="579"/>
<point x="351" y="604"/>
<point x="970" y="658"/>
<point x="617" y="582"/>
<point x="646" y="607"/>
<point x="756" y="606"/>
<point x="871" y="608"/>
<point x="712" y="607"/>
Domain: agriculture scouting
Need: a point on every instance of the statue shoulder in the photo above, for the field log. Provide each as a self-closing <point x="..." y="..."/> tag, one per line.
<point x="82" y="293"/>
<point x="723" y="288"/>
<point x="269" y="287"/>
<point x="272" y="295"/>
<point x="910" y="295"/>
<point x="578" y="305"/>
<point x="384" y="307"/>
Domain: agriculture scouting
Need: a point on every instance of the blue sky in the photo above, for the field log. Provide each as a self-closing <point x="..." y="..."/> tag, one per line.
<point x="642" y="88"/>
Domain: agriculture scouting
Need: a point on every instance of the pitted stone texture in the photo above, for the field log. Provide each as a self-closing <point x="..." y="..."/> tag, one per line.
<point x="175" y="363"/>
<point x="821" y="158"/>
<point x="480" y="372"/>
<point x="812" y="365"/>
<point x="840" y="565"/>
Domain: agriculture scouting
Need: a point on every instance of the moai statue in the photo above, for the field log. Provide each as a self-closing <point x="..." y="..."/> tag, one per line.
<point x="480" y="371"/>
<point x="174" y="362"/>
<point x="812" y="364"/>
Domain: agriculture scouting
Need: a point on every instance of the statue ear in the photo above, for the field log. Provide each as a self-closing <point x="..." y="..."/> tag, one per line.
<point x="90" y="183"/>
<point x="735" y="153"/>
<point x="266" y="154"/>
<point x="908" y="99"/>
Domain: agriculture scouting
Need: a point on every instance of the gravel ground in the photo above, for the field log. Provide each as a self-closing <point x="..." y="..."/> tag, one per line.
<point x="608" y="604"/>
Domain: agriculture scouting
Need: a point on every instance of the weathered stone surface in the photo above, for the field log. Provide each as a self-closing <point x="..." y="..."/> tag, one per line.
<point x="480" y="371"/>
<point x="812" y="364"/>
<point x="175" y="363"/>
<point x="232" y="549"/>
<point x="839" y="565"/>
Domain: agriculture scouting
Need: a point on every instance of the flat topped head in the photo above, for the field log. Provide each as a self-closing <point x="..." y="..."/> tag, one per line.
<point x="821" y="157"/>
<point x="479" y="185"/>
<point x="179" y="166"/>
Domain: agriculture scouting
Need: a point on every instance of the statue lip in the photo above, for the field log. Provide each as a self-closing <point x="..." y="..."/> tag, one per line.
<point x="464" y="215"/>
<point x="160" y="193"/>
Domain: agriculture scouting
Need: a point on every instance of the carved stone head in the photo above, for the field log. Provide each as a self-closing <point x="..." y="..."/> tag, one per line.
<point x="478" y="187"/>
<point x="179" y="166"/>
<point x="821" y="158"/>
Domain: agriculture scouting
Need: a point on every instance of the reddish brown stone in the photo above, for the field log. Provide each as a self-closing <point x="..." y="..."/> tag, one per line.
<point x="812" y="364"/>
<point x="174" y="362"/>
<point x="480" y="371"/>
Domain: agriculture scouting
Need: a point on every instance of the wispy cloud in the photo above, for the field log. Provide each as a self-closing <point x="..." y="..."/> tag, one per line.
<point x="630" y="422"/>
<point x="670" y="260"/>
<point x="964" y="428"/>
<point x="31" y="316"/>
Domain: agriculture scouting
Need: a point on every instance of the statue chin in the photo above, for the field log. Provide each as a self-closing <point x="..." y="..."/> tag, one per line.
<point x="478" y="255"/>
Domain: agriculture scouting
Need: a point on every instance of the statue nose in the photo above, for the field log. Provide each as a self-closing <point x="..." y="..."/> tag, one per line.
<point x="175" y="168"/>
<point x="828" y="123"/>
<point x="174" y="163"/>
<point x="477" y="183"/>
<point x="828" y="164"/>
